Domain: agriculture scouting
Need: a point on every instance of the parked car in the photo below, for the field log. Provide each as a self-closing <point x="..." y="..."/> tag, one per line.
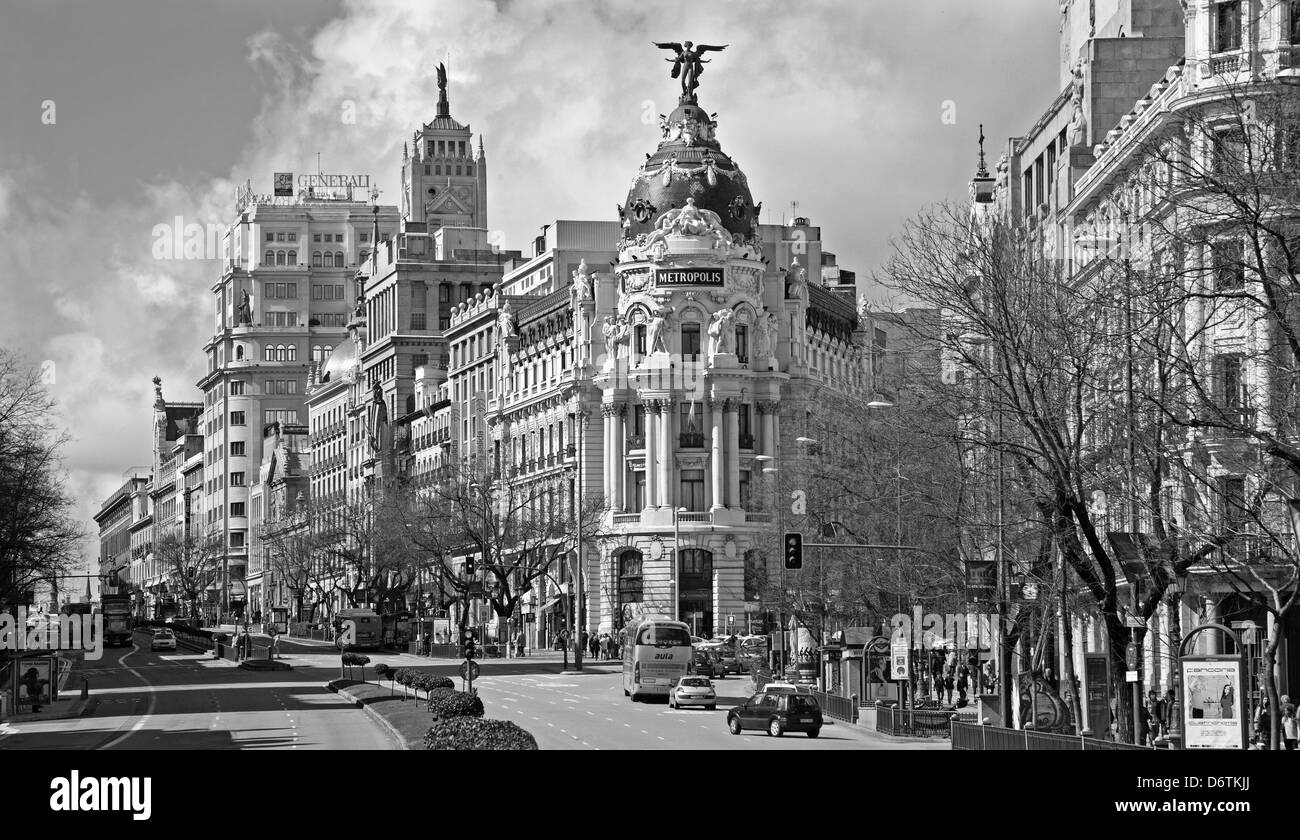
<point x="163" y="640"/>
<point x="782" y="687"/>
<point x="693" y="691"/>
<point x="778" y="714"/>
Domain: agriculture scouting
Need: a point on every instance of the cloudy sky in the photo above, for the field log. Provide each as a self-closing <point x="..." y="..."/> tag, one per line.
<point x="119" y="117"/>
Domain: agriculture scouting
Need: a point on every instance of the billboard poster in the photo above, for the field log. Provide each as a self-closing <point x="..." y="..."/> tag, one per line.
<point x="442" y="632"/>
<point x="1212" y="707"/>
<point x="284" y="183"/>
<point x="899" y="657"/>
<point x="33" y="683"/>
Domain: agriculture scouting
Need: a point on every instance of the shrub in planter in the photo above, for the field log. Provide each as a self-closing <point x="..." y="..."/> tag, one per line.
<point x="433" y="682"/>
<point x="383" y="671"/>
<point x="472" y="733"/>
<point x="446" y="703"/>
<point x="350" y="658"/>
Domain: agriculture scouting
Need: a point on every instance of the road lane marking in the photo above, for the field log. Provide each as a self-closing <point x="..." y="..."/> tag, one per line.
<point x="153" y="700"/>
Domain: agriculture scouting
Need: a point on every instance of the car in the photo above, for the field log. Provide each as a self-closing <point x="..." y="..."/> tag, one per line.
<point x="705" y="665"/>
<point x="163" y="640"/>
<point x="696" y="641"/>
<point x="777" y="714"/>
<point x="693" y="691"/>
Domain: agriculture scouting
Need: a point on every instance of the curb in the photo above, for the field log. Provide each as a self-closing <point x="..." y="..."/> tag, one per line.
<point x="375" y="716"/>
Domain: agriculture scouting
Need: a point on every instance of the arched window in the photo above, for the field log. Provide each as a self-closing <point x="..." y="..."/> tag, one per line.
<point x="315" y="259"/>
<point x="328" y="351"/>
<point x="316" y="354"/>
<point x="270" y="258"/>
<point x="279" y="353"/>
<point x="280" y="258"/>
<point x="630" y="585"/>
<point x="293" y="258"/>
<point x="695" y="592"/>
<point x="293" y="352"/>
<point x="268" y="353"/>
<point x="338" y="259"/>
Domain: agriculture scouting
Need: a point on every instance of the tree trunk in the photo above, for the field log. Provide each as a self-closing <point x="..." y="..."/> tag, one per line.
<point x="1119" y="636"/>
<point x="1067" y="655"/>
<point x="1270" y="686"/>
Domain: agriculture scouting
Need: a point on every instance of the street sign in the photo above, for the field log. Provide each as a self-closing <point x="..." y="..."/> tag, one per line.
<point x="899" y="656"/>
<point x="1132" y="676"/>
<point x="731" y="619"/>
<point x="469" y="670"/>
<point x="1133" y="621"/>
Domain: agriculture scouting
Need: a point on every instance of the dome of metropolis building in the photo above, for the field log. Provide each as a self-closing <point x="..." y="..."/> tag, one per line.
<point x="340" y="361"/>
<point x="689" y="163"/>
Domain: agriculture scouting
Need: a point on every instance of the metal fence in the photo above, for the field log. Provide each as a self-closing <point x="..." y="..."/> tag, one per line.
<point x="919" y="722"/>
<point x="972" y="736"/>
<point x="840" y="708"/>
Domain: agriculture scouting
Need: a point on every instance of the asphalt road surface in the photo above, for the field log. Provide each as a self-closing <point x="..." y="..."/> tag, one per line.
<point x="187" y="701"/>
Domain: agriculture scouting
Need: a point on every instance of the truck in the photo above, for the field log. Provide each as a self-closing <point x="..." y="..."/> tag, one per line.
<point x="117" y="620"/>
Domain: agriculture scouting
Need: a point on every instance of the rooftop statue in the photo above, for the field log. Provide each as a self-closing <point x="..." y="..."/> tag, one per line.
<point x="688" y="63"/>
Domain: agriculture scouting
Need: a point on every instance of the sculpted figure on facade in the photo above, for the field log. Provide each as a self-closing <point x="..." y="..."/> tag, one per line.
<point x="1077" y="133"/>
<point x="764" y="337"/>
<point x="722" y="332"/>
<point x="616" y="332"/>
<point x="689" y="221"/>
<point x="657" y="334"/>
<point x="796" y="281"/>
<point x="506" y="321"/>
<point x="245" y="309"/>
<point x="583" y="281"/>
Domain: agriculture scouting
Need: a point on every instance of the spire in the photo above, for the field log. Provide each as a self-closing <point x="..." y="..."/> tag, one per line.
<point x="982" y="184"/>
<point x="444" y="109"/>
<point x="481" y="154"/>
<point x="374" y="240"/>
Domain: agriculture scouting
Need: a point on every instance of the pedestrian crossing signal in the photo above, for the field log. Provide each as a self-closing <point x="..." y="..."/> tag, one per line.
<point x="793" y="551"/>
<point x="469" y="643"/>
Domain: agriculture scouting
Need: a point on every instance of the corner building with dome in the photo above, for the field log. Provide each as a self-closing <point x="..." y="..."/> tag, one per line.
<point x="668" y="359"/>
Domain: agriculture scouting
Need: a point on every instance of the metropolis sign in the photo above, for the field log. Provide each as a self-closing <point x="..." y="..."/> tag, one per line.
<point x="689" y="277"/>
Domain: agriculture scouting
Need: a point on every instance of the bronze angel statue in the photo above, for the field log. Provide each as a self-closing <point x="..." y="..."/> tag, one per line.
<point x="688" y="63"/>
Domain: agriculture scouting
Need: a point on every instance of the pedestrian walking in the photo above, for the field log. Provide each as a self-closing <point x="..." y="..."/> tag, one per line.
<point x="1290" y="727"/>
<point x="593" y="646"/>
<point x="275" y="645"/>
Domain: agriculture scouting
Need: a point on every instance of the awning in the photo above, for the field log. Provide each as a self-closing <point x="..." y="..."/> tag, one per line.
<point x="550" y="603"/>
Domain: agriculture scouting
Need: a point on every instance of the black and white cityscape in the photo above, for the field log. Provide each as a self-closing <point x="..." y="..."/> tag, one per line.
<point x="852" y="376"/>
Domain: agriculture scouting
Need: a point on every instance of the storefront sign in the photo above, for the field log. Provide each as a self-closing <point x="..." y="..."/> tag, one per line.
<point x="307" y="182"/>
<point x="1212" y="707"/>
<point x="34" y="682"/>
<point x="689" y="277"/>
<point x="981" y="580"/>
<point x="284" y="183"/>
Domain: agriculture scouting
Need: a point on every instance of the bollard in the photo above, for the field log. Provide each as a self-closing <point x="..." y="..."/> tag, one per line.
<point x="85" y="687"/>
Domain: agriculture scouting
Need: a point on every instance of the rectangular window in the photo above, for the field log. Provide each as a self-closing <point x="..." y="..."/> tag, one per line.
<point x="236" y="539"/>
<point x="1229" y="267"/>
<point x="444" y="293"/>
<point x="638" y="333"/>
<point x="338" y="291"/>
<point x="638" y="420"/>
<point x="1228" y="152"/>
<point x="236" y="508"/>
<point x="444" y="323"/>
<point x="742" y="344"/>
<point x="279" y="237"/>
<point x="236" y="447"/>
<point x="1227" y="25"/>
<point x="1230" y="373"/>
<point x="692" y="490"/>
<point x="1293" y="27"/>
<point x="746" y="432"/>
<point x="1233" y="512"/>
<point x="236" y="418"/>
<point x="365" y="237"/>
<point x="315" y="237"/>
<point x="270" y="237"/>
<point x="746" y="496"/>
<point x="236" y="479"/>
<point x="293" y="237"/>
<point x="690" y="341"/>
<point x="638" y="491"/>
<point x="417" y="321"/>
<point x="691" y="423"/>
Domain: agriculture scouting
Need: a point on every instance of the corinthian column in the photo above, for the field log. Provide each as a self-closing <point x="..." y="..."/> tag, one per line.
<point x="732" y="410"/>
<point x="609" y="449"/>
<point x="620" y="449"/>
<point x="666" y="450"/>
<point x="716" y="468"/>
<point x="651" y="453"/>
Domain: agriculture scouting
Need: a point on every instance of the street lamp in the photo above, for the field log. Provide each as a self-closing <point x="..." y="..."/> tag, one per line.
<point x="677" y="562"/>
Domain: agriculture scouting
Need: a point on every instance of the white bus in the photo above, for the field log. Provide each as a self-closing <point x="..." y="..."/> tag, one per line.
<point x="367" y="627"/>
<point x="657" y="652"/>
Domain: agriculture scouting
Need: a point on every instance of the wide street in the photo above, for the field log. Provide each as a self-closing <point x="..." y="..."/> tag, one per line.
<point x="184" y="700"/>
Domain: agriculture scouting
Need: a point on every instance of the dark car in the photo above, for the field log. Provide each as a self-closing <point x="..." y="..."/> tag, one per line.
<point x="705" y="665"/>
<point x="778" y="714"/>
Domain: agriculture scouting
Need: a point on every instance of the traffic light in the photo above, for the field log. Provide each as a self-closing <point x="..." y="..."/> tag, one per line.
<point x="469" y="566"/>
<point x="469" y="643"/>
<point x="793" y="550"/>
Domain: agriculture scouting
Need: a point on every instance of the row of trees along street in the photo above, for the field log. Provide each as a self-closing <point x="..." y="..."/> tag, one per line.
<point x="374" y="549"/>
<point x="1094" y="390"/>
<point x="40" y="538"/>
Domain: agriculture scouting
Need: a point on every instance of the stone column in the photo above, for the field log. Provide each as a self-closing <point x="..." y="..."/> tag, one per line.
<point x="651" y="447"/>
<point x="620" y="448"/>
<point x="732" y="410"/>
<point x="716" y="467"/>
<point x="666" y="450"/>
<point x="607" y="413"/>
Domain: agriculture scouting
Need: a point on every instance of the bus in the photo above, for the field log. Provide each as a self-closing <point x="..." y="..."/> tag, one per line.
<point x="369" y="632"/>
<point x="657" y="652"/>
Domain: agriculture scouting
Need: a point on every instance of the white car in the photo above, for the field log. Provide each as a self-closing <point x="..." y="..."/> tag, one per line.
<point x="163" y="640"/>
<point x="693" y="691"/>
<point x="783" y="687"/>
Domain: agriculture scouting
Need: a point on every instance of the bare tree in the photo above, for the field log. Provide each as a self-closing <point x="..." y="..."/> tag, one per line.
<point x="191" y="563"/>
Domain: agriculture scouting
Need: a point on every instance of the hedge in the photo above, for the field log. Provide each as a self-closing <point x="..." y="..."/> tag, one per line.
<point x="446" y="703"/>
<point x="473" y="733"/>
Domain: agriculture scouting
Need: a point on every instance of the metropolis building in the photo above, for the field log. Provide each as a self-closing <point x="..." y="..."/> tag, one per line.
<point x="664" y="363"/>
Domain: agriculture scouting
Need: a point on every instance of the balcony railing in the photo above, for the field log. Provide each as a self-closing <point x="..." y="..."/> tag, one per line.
<point x="746" y="441"/>
<point x="636" y="441"/>
<point x="627" y="519"/>
<point x="702" y="516"/>
<point x="690" y="440"/>
<point x="1238" y="425"/>
<point x="758" y="517"/>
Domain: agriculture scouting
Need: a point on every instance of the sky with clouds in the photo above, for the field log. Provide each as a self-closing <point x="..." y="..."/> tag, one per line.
<point x="119" y="117"/>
